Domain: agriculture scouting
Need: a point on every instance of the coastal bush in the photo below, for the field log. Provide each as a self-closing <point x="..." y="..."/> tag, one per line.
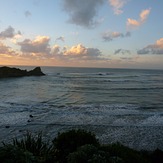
<point x="88" y="154"/>
<point x="126" y="154"/>
<point x="69" y="141"/>
<point x="13" y="154"/>
<point x="157" y="156"/>
<point x="34" y="144"/>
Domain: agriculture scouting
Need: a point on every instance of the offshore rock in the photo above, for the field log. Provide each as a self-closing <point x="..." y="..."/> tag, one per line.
<point x="35" y="72"/>
<point x="6" y="72"/>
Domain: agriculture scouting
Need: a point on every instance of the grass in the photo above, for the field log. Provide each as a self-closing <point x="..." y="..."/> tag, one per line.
<point x="30" y="145"/>
<point x="74" y="146"/>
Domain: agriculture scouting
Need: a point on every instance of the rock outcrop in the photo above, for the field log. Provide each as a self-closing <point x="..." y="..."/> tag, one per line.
<point x="6" y="72"/>
<point x="35" y="72"/>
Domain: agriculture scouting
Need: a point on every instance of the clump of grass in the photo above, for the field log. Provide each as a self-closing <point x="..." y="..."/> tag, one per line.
<point x="33" y="144"/>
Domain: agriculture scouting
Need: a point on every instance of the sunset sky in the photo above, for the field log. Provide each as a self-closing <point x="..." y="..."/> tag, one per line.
<point x="82" y="33"/>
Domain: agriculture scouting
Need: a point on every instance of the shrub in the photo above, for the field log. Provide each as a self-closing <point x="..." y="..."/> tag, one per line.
<point x="88" y="154"/>
<point x="13" y="154"/>
<point x="127" y="155"/>
<point x="157" y="156"/>
<point x="68" y="142"/>
<point x="35" y="145"/>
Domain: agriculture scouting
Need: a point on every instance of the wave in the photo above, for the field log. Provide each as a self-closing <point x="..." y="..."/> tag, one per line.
<point x="149" y="88"/>
<point x="131" y="124"/>
<point x="88" y="88"/>
<point x="111" y="115"/>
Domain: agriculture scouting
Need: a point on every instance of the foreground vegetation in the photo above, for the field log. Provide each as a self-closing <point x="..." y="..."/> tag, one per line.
<point x="74" y="146"/>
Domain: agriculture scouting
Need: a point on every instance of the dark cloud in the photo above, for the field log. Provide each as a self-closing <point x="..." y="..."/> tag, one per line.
<point x="93" y="52"/>
<point x="27" y="13"/>
<point x="145" y="50"/>
<point x="127" y="34"/>
<point x="156" y="48"/>
<point x="60" y="39"/>
<point x="9" y="33"/>
<point x="110" y="36"/>
<point x="82" y="12"/>
<point x="122" y="51"/>
<point x="150" y="50"/>
<point x="127" y="58"/>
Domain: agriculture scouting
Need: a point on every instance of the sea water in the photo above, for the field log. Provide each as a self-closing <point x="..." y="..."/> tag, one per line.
<point x="118" y="105"/>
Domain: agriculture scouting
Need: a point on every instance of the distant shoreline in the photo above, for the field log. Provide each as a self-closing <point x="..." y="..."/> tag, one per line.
<point x="118" y="68"/>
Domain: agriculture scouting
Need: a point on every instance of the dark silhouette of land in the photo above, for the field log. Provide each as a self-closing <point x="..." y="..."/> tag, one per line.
<point x="6" y="72"/>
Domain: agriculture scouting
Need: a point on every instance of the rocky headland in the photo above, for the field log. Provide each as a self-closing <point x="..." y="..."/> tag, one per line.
<point x="6" y="72"/>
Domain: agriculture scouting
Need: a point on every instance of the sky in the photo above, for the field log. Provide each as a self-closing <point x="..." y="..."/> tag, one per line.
<point x="82" y="33"/>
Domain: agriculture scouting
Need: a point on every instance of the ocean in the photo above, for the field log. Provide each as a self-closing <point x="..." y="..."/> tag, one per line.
<point x="118" y="105"/>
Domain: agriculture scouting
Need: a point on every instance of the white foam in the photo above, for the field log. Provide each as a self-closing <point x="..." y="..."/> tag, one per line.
<point x="14" y="118"/>
<point x="154" y="120"/>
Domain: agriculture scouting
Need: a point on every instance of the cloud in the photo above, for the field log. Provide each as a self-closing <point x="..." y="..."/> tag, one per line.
<point x="77" y="52"/>
<point x="60" y="39"/>
<point x="132" y="23"/>
<point x="3" y="48"/>
<point x="27" y="13"/>
<point x="156" y="48"/>
<point x="110" y="36"/>
<point x="6" y="51"/>
<point x="82" y="13"/>
<point x="80" y="51"/>
<point x="55" y="50"/>
<point x="122" y="51"/>
<point x="144" y="14"/>
<point x="39" y="45"/>
<point x="117" y="5"/>
<point x="129" y="59"/>
<point x="9" y="33"/>
<point x="35" y="49"/>
<point x="39" y="49"/>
